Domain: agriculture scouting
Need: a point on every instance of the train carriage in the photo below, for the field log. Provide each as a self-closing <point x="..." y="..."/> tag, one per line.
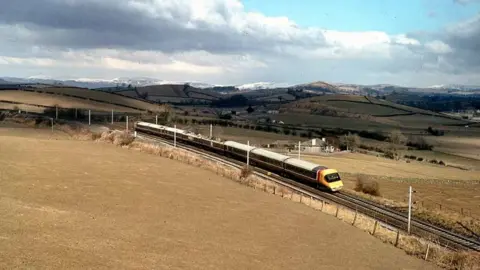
<point x="301" y="170"/>
<point x="269" y="160"/>
<point x="237" y="150"/>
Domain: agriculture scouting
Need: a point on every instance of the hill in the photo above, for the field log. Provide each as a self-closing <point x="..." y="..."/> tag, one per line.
<point x="367" y="112"/>
<point x="121" y="209"/>
<point x="168" y="93"/>
<point x="38" y="98"/>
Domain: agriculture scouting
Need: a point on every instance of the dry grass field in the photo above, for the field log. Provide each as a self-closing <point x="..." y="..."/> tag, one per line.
<point x="468" y="147"/>
<point x="73" y="204"/>
<point x="81" y="99"/>
<point x="433" y="183"/>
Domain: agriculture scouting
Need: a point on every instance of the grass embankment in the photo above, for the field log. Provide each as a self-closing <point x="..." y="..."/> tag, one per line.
<point x="368" y="188"/>
<point x="411" y="245"/>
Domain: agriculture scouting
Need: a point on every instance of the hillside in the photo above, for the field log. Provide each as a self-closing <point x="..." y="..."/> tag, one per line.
<point x="364" y="110"/>
<point x="121" y="209"/>
<point x="168" y="93"/>
<point x="36" y="99"/>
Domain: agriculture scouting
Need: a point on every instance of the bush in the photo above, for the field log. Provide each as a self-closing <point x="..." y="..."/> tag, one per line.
<point x="433" y="161"/>
<point x="419" y="159"/>
<point x="367" y="186"/>
<point x="245" y="171"/>
<point x="419" y="143"/>
<point x="441" y="163"/>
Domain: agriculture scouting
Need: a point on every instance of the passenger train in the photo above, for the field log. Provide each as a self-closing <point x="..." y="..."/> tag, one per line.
<point x="310" y="173"/>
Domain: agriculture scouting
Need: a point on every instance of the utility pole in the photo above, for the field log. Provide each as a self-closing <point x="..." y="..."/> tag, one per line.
<point x="56" y="112"/>
<point x="89" y="117"/>
<point x="211" y="131"/>
<point x="126" y="122"/>
<point x="52" y="123"/>
<point x="175" y="136"/>
<point x="409" y="207"/>
<point x="156" y="119"/>
<point x="112" y="116"/>
<point x="248" y="154"/>
<point x="299" y="147"/>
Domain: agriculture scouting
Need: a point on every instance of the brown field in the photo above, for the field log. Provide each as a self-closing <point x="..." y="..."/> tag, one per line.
<point x="62" y="101"/>
<point x="72" y="204"/>
<point x="433" y="183"/>
<point x="468" y="147"/>
<point x="103" y="96"/>
<point x="45" y="99"/>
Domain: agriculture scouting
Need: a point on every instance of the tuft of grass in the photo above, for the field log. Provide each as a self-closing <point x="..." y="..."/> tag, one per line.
<point x="245" y="171"/>
<point x="367" y="186"/>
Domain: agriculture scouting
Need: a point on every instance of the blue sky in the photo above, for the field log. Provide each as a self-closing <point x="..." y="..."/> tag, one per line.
<point x="390" y="16"/>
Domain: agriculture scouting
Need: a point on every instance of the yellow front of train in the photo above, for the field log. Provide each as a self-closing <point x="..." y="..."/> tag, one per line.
<point x="331" y="179"/>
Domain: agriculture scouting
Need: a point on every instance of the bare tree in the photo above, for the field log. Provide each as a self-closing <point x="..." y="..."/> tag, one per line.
<point x="351" y="141"/>
<point x="396" y="139"/>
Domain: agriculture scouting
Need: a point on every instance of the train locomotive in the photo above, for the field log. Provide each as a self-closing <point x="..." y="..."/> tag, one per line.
<point x="321" y="177"/>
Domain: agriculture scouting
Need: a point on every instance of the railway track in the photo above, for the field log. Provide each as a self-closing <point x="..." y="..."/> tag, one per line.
<point x="385" y="215"/>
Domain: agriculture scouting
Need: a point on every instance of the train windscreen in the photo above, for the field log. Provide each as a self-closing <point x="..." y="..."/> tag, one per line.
<point x="332" y="177"/>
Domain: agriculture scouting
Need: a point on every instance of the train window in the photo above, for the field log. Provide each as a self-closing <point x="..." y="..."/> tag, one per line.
<point x="332" y="177"/>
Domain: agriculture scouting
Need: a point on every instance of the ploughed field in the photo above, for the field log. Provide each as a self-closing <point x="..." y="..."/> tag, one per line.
<point x="75" y="204"/>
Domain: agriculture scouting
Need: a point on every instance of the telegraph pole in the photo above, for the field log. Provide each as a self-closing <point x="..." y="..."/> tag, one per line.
<point x="409" y="207"/>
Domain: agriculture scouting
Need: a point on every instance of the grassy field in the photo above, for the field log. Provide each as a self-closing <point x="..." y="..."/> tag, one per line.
<point x="468" y="147"/>
<point x="126" y="209"/>
<point x="451" y="187"/>
<point x="360" y="112"/>
<point x="79" y="98"/>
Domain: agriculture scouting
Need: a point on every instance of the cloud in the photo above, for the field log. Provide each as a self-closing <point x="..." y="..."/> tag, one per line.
<point x="218" y="41"/>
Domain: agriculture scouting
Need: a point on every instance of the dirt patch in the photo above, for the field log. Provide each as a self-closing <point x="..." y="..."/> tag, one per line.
<point x="75" y="204"/>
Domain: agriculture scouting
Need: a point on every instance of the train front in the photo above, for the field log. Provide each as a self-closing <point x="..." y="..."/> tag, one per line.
<point x="332" y="180"/>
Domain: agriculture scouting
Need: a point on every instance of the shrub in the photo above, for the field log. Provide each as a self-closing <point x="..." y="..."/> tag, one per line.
<point x="419" y="159"/>
<point x="441" y="163"/>
<point x="367" y="186"/>
<point x="419" y="143"/>
<point x="433" y="161"/>
<point x="245" y="171"/>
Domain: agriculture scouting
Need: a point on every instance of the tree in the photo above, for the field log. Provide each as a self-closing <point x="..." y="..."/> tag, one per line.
<point x="350" y="141"/>
<point x="250" y="109"/>
<point x="396" y="138"/>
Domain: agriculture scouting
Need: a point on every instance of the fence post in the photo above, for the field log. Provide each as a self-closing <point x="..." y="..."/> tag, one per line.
<point x="112" y="116"/>
<point x="355" y="218"/>
<point x="426" y="253"/>
<point x="374" y="227"/>
<point x="336" y="213"/>
<point x="56" y="112"/>
<point x="321" y="209"/>
<point x="89" y="117"/>
<point x="76" y="114"/>
<point x="52" y="123"/>
<point x="398" y="236"/>
<point x="126" y="122"/>
<point x="156" y="119"/>
<point x="274" y="190"/>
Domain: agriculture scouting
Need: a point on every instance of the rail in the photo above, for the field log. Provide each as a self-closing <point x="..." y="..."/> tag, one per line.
<point x="374" y="210"/>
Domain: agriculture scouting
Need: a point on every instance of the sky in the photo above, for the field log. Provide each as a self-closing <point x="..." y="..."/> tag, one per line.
<point x="230" y="42"/>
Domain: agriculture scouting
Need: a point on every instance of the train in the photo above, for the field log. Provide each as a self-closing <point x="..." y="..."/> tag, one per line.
<point x="321" y="177"/>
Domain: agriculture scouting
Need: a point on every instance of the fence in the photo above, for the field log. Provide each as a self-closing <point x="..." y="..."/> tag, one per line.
<point x="89" y="116"/>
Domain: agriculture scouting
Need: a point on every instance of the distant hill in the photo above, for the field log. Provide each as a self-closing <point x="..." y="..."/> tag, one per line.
<point x="367" y="111"/>
<point x="166" y="93"/>
<point x="72" y="97"/>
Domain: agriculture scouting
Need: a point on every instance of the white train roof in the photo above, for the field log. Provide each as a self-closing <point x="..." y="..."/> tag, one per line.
<point x="269" y="154"/>
<point x="302" y="164"/>
<point x="171" y="129"/>
<point x="240" y="146"/>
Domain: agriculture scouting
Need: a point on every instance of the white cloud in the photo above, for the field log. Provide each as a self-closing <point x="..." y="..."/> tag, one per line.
<point x="217" y="41"/>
